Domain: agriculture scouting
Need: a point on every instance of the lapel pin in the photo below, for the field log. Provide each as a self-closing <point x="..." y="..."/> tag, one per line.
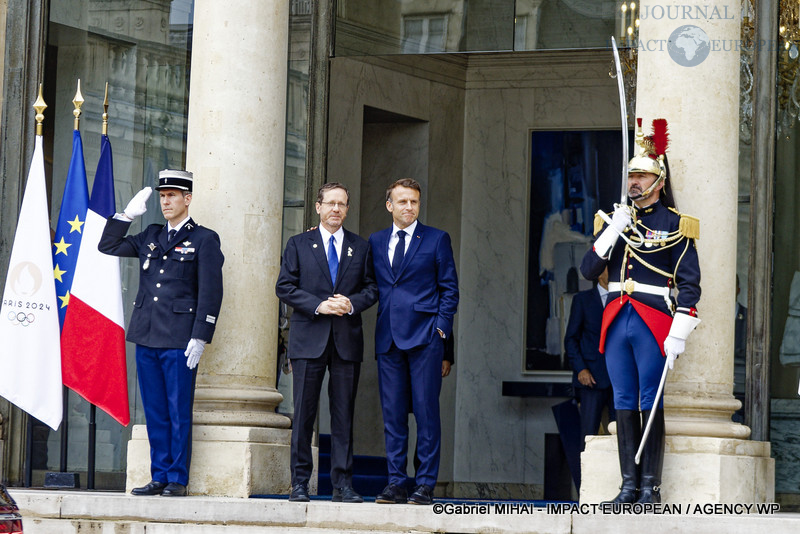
<point x="151" y="246"/>
<point x="349" y="251"/>
<point x="187" y="243"/>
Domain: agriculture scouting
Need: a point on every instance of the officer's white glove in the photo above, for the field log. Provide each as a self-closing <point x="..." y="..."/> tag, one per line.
<point x="606" y="241"/>
<point x="193" y="352"/>
<point x="621" y="217"/>
<point x="138" y="204"/>
<point x="673" y="347"/>
<point x="675" y="344"/>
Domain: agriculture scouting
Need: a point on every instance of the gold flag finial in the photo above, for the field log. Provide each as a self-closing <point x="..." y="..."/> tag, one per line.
<point x="39" y="106"/>
<point x="105" y="112"/>
<point x="77" y="102"/>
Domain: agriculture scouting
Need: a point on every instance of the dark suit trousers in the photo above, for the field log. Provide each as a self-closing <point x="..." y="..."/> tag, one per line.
<point x="307" y="377"/>
<point x="416" y="375"/>
<point x="592" y="402"/>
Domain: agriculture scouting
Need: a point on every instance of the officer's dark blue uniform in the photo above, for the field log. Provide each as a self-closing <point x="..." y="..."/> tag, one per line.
<point x="667" y="259"/>
<point x="644" y="320"/>
<point x="179" y="298"/>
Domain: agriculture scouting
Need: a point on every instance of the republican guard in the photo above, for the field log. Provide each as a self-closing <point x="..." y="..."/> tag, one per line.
<point x="654" y="286"/>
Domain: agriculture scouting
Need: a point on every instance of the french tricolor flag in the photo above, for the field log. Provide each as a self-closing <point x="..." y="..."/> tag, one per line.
<point x="93" y="337"/>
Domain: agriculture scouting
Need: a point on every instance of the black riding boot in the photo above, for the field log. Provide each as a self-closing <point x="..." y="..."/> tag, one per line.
<point x="629" y="433"/>
<point x="652" y="460"/>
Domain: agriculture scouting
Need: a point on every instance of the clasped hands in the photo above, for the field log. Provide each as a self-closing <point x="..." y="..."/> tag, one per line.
<point x="335" y="305"/>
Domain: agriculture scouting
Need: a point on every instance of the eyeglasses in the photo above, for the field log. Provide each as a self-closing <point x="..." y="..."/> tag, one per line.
<point x="332" y="205"/>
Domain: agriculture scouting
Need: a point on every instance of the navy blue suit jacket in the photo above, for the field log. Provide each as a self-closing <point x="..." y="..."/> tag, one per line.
<point x="305" y="282"/>
<point x="582" y="340"/>
<point x="424" y="294"/>
<point x="180" y="283"/>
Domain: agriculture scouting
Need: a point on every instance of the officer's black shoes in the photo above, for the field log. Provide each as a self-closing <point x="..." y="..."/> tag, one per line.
<point x="422" y="495"/>
<point x="173" y="489"/>
<point x="392" y="494"/>
<point x="299" y="493"/>
<point x="152" y="488"/>
<point x="346" y="494"/>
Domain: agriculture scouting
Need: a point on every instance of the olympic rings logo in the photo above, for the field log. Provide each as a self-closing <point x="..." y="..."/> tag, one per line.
<point x="21" y="318"/>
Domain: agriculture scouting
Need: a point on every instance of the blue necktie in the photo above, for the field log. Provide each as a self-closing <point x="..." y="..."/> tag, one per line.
<point x="399" y="251"/>
<point x="333" y="260"/>
<point x="171" y="235"/>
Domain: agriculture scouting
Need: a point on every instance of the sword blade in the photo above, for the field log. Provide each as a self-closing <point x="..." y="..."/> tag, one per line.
<point x="624" y="117"/>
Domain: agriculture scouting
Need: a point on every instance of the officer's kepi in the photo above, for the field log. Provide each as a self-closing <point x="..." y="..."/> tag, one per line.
<point x="175" y="179"/>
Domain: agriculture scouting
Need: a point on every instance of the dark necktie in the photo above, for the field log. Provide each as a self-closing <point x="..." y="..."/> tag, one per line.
<point x="399" y="251"/>
<point x="333" y="260"/>
<point x="171" y="235"/>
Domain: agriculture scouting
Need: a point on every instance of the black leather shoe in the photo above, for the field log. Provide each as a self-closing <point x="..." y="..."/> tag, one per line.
<point x="299" y="493"/>
<point x="173" y="489"/>
<point x="346" y="494"/>
<point x="152" y="488"/>
<point x="422" y="495"/>
<point x="392" y="494"/>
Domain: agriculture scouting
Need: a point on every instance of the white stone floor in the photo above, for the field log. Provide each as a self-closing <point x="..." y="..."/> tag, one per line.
<point x="72" y="512"/>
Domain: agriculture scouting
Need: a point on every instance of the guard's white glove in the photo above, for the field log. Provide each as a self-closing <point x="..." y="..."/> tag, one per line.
<point x="606" y="241"/>
<point x="193" y="352"/>
<point x="621" y="217"/>
<point x="675" y="344"/>
<point x="138" y="204"/>
<point x="673" y="347"/>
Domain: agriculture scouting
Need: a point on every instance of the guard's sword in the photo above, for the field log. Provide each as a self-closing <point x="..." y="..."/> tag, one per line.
<point x="623" y="112"/>
<point x="652" y="414"/>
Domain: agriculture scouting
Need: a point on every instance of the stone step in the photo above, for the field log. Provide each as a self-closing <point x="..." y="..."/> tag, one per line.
<point x="74" y="512"/>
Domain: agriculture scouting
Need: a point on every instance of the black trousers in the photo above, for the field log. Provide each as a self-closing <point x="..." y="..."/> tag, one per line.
<point x="307" y="378"/>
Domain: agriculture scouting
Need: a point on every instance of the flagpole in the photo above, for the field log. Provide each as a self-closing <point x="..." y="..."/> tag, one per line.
<point x="90" y="466"/>
<point x="69" y="480"/>
<point x="39" y="105"/>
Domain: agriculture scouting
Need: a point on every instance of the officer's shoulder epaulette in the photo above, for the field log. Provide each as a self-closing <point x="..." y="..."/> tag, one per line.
<point x="689" y="226"/>
<point x="598" y="222"/>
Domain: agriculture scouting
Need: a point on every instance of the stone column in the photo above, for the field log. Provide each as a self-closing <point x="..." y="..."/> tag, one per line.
<point x="236" y="137"/>
<point x="708" y="458"/>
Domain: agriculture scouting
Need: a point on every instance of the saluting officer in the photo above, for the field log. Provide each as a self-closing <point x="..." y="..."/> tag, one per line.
<point x="644" y="321"/>
<point x="174" y="316"/>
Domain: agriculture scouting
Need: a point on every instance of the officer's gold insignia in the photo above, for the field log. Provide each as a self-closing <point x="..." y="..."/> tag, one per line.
<point x="151" y="246"/>
<point x="629" y="286"/>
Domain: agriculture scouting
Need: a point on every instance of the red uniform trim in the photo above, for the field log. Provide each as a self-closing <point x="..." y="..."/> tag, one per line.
<point x="658" y="322"/>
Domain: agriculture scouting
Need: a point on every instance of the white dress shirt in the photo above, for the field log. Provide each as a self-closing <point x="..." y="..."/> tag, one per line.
<point x="393" y="239"/>
<point x="326" y="241"/>
<point x="603" y="294"/>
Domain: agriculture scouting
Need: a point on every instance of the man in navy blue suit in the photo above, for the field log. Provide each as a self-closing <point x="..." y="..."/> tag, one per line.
<point x="582" y="345"/>
<point x="418" y="297"/>
<point x="326" y="277"/>
<point x="174" y="317"/>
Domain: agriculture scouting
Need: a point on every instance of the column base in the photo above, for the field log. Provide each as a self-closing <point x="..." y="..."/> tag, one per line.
<point x="227" y="461"/>
<point x="697" y="470"/>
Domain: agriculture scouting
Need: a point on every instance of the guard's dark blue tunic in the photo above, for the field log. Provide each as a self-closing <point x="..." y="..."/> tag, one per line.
<point x="636" y="323"/>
